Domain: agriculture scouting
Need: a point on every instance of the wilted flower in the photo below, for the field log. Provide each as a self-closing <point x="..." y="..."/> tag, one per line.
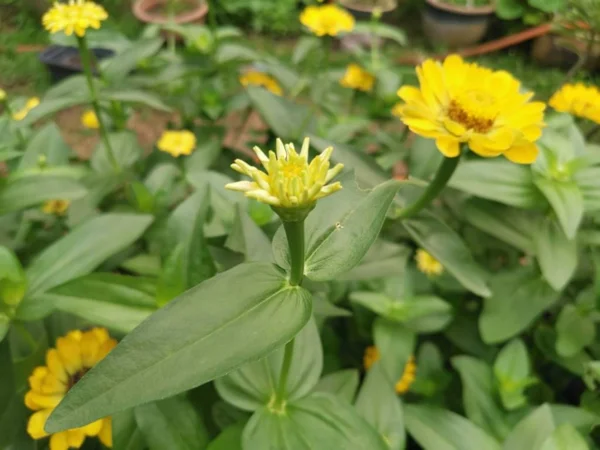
<point x="22" y="113"/>
<point x="327" y="20"/>
<point x="74" y="355"/>
<point x="254" y="78"/>
<point x="177" y="143"/>
<point x="357" y="78"/>
<point x="458" y="102"/>
<point x="408" y="375"/>
<point x="427" y="264"/>
<point x="89" y="119"/>
<point x="74" y="17"/>
<point x="57" y="207"/>
<point x="579" y="100"/>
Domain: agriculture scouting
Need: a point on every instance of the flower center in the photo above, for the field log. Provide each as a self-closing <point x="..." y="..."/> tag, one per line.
<point x="74" y="379"/>
<point x="292" y="169"/>
<point x="475" y="110"/>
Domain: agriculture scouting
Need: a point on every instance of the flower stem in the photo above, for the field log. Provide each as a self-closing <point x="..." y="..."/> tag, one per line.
<point x="443" y="175"/>
<point x="86" y="62"/>
<point x="295" y="236"/>
<point x="283" y="376"/>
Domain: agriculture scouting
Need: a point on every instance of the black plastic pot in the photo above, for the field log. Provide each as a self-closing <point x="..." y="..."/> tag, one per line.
<point x="63" y="61"/>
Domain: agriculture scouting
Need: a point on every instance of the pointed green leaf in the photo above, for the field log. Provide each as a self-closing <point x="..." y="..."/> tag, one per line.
<point x="342" y="383"/>
<point x="247" y="238"/>
<point x="565" y="437"/>
<point x="566" y="201"/>
<point x="575" y="330"/>
<point x="396" y="343"/>
<point x="556" y="254"/>
<point x="531" y="432"/>
<point x="46" y="143"/>
<point x="126" y="434"/>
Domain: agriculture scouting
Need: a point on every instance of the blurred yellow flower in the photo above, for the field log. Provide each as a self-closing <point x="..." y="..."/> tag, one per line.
<point x="408" y="375"/>
<point x="2" y="95"/>
<point x="22" y="113"/>
<point x="57" y="207"/>
<point x="74" y="17"/>
<point x="458" y="102"/>
<point x="579" y="100"/>
<point x="90" y="120"/>
<point x="254" y="78"/>
<point x="357" y="78"/>
<point x="427" y="264"/>
<point x="290" y="181"/>
<point x="327" y="20"/>
<point x="177" y="143"/>
<point x="74" y="355"/>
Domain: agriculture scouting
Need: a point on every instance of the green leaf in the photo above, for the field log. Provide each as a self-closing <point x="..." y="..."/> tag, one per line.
<point x="438" y="429"/>
<point x="497" y="180"/>
<point x="511" y="370"/>
<point x="342" y="383"/>
<point x="125" y="147"/>
<point x="383" y="259"/>
<point x="378" y="404"/>
<point x="192" y="340"/>
<point x="448" y="248"/>
<point x="46" y="143"/>
<point x="381" y="30"/>
<point x="565" y="437"/>
<point x="247" y="238"/>
<point x="253" y="385"/>
<point x="549" y="6"/>
<point x="7" y="381"/>
<point x="509" y="9"/>
<point x="4" y="325"/>
<point x="50" y="106"/>
<point x="582" y="419"/>
<point x="33" y="190"/>
<point x="135" y="96"/>
<point x="171" y="423"/>
<point x="229" y="439"/>
<point x="13" y="282"/>
<point x="314" y="422"/>
<point x="83" y="249"/>
<point x="115" y="69"/>
<point x="556" y="254"/>
<point x="7" y="155"/>
<point x="126" y="434"/>
<point x="396" y="344"/>
<point x="575" y="330"/>
<point x="478" y="396"/>
<point x="531" y="432"/>
<point x="566" y="201"/>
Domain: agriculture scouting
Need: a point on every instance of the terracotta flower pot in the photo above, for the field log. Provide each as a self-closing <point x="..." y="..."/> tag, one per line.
<point x="154" y="11"/>
<point x="455" y="26"/>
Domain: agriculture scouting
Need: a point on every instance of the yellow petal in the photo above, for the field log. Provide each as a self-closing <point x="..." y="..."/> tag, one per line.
<point x="93" y="428"/>
<point x="105" y="435"/>
<point x="59" y="441"/>
<point x="36" y="401"/>
<point x="449" y="146"/>
<point x="454" y="127"/>
<point x="75" y="437"/>
<point x="37" y="378"/>
<point x="35" y="425"/>
<point x="70" y="354"/>
<point x="522" y="154"/>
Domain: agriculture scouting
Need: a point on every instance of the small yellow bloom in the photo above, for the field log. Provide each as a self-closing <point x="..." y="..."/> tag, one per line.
<point x="408" y="375"/>
<point x="357" y="78"/>
<point x="254" y="78"/>
<point x="90" y="120"/>
<point x="57" y="207"/>
<point x="458" y="102"/>
<point x="428" y="264"/>
<point x="327" y="20"/>
<point x="74" y="17"/>
<point x="290" y="181"/>
<point x="177" y="143"/>
<point x="74" y="355"/>
<point x="22" y="113"/>
<point x="2" y="95"/>
<point x="579" y="100"/>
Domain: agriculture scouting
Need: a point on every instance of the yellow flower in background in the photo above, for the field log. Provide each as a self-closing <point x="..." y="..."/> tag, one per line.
<point x="74" y="17"/>
<point x="290" y="181"/>
<point x="90" y="120"/>
<point x="579" y="100"/>
<point x="357" y="78"/>
<point x="22" y="113"/>
<point x="458" y="102"/>
<point x="57" y="207"/>
<point x="427" y="264"/>
<point x="74" y="355"/>
<point x="408" y="375"/>
<point x="2" y="95"/>
<point x="177" y="143"/>
<point x="327" y="20"/>
<point x="254" y="78"/>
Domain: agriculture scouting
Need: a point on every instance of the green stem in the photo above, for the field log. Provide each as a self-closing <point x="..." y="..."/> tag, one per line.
<point x="283" y="376"/>
<point x="443" y="175"/>
<point x="86" y="62"/>
<point x="295" y="236"/>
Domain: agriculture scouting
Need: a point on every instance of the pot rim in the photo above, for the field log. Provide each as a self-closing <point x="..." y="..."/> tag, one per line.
<point x="367" y="9"/>
<point x="463" y="10"/>
<point x="141" y="7"/>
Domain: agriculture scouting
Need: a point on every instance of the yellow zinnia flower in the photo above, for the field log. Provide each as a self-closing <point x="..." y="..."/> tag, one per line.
<point x="90" y="120"/>
<point x="290" y="181"/>
<point x="579" y="100"/>
<point x="177" y="143"/>
<point x="357" y="78"/>
<point x="327" y="20"/>
<point x="458" y="102"/>
<point x="427" y="264"/>
<point x="22" y="113"/>
<point x="254" y="78"/>
<point x="408" y="375"/>
<point x="74" y="17"/>
<point x="58" y="207"/>
<point x="74" y="355"/>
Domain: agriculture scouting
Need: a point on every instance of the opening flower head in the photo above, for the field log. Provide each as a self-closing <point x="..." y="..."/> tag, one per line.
<point x="408" y="376"/>
<point x="177" y="143"/>
<point x="459" y="102"/>
<point x="427" y="264"/>
<point x="74" y="355"/>
<point x="290" y="180"/>
<point x="327" y="20"/>
<point x="255" y="78"/>
<point x="90" y="120"/>
<point x="579" y="100"/>
<point x="22" y="113"/>
<point x="357" y="78"/>
<point x="57" y="207"/>
<point x="74" y="17"/>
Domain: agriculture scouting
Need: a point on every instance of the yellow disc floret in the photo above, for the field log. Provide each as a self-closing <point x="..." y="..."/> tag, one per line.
<point x="457" y="102"/>
<point x="177" y="143"/>
<point x="427" y="264"/>
<point x="74" y="17"/>
<point x="290" y="181"/>
<point x="57" y="207"/>
<point x="327" y="20"/>
<point x="254" y="78"/>
<point x="357" y="78"/>
<point x="579" y="100"/>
